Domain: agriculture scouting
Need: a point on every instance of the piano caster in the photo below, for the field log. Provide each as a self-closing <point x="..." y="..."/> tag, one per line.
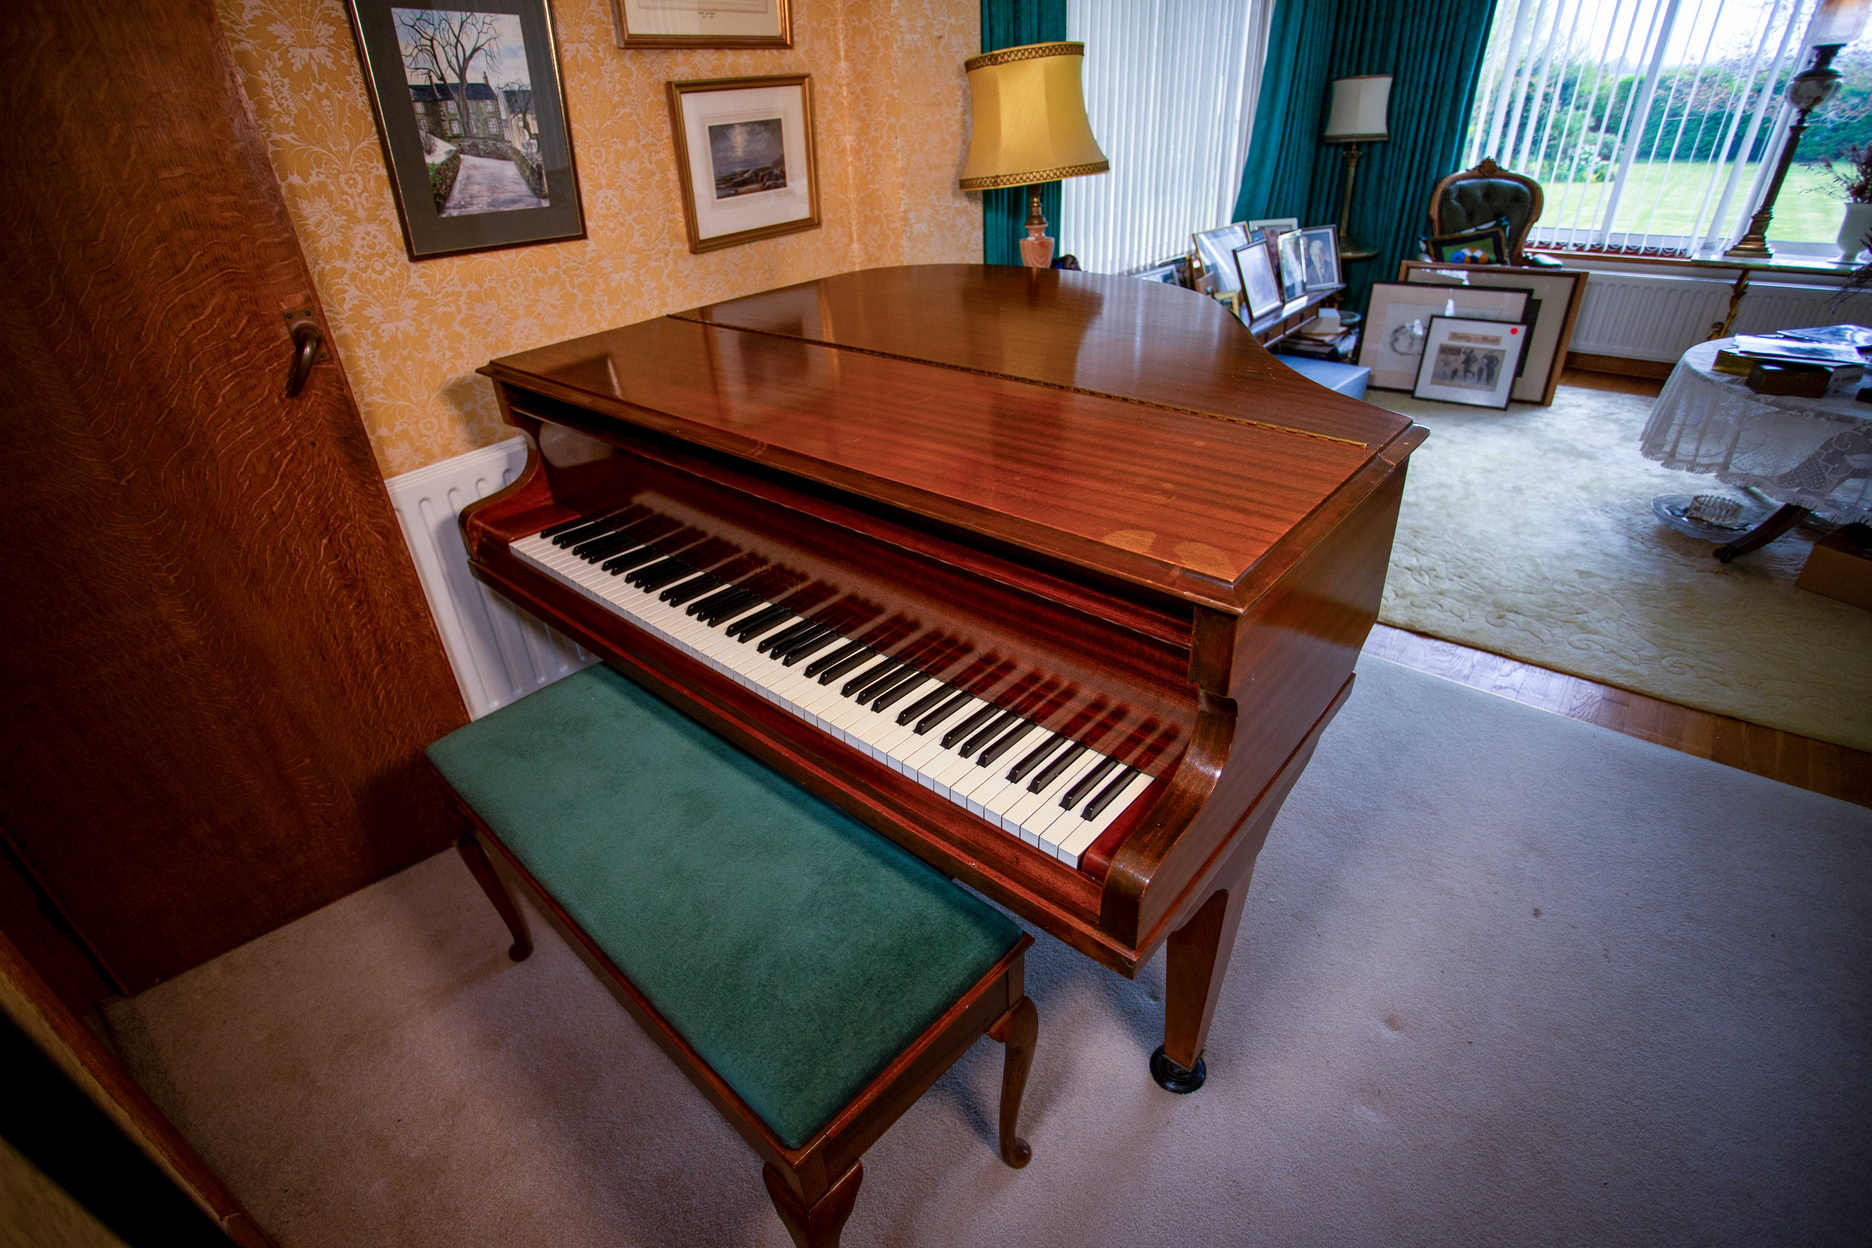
<point x="1174" y="1078"/>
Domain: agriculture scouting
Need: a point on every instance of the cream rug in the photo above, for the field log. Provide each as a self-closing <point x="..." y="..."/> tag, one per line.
<point x="1529" y="533"/>
<point x="1475" y="1002"/>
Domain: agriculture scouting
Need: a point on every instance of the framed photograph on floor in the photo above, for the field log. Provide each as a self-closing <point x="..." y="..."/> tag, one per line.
<point x="744" y="156"/>
<point x="1397" y="322"/>
<point x="1319" y="246"/>
<point x="1557" y="297"/>
<point x="1216" y="249"/>
<point x="1290" y="248"/>
<point x="1254" y="264"/>
<point x="702" y="23"/>
<point x="472" y="120"/>
<point x="1469" y="361"/>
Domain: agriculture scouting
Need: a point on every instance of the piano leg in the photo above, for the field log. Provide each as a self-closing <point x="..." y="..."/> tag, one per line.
<point x="1198" y="963"/>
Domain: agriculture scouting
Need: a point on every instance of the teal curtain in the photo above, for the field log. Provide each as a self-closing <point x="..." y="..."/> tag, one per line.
<point x="1009" y="24"/>
<point x="1433" y="51"/>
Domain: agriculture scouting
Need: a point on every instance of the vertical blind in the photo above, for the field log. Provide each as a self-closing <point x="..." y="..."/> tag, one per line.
<point x="1652" y="125"/>
<point x="1170" y="88"/>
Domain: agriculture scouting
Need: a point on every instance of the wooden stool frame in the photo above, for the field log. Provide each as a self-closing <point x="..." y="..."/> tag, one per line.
<point x="814" y="1186"/>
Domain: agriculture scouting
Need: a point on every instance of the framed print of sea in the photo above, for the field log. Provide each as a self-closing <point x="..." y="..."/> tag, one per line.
<point x="744" y="158"/>
<point x="472" y="120"/>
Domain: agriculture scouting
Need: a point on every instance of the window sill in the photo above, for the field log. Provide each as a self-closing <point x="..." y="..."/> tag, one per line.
<point x="1811" y="265"/>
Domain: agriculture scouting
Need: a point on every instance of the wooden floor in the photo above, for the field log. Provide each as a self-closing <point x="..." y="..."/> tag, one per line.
<point x="1801" y="761"/>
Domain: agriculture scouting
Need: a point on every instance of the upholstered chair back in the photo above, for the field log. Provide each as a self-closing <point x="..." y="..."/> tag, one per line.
<point x="1476" y="197"/>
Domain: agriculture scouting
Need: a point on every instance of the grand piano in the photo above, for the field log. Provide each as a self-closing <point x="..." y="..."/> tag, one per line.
<point x="1055" y="579"/>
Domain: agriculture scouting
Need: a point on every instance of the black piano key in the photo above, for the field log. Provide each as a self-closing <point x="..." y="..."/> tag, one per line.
<point x="868" y="677"/>
<point x="992" y="752"/>
<point x="1097" y="805"/>
<point x="967" y="727"/>
<point x="857" y="659"/>
<point x="1086" y="783"/>
<point x="988" y="732"/>
<point x="758" y="623"/>
<point x="682" y="592"/>
<point x="812" y="645"/>
<point x="724" y="598"/>
<point x="1035" y="757"/>
<point x="869" y="694"/>
<point x="949" y="707"/>
<point x="619" y="564"/>
<point x="788" y="635"/>
<point x="592" y="526"/>
<point x="566" y="526"/>
<point x="1052" y="770"/>
<point x="921" y="706"/>
<point x="896" y="693"/>
<point x="605" y="545"/>
<point x="655" y="576"/>
<point x="839" y="655"/>
<point x="728" y="609"/>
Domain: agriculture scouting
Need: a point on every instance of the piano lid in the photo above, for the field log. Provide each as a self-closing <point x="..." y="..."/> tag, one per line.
<point x="1124" y="426"/>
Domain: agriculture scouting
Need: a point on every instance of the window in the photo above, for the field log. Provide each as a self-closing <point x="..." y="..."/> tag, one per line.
<point x="1654" y="125"/>
<point x="1170" y="88"/>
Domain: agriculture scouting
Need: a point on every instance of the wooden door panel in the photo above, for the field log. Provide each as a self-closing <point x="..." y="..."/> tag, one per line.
<point x="221" y="667"/>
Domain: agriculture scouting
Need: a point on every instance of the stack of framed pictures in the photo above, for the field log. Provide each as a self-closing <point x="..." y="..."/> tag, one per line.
<point x="1466" y="360"/>
<point x="1554" y="297"/>
<point x="1279" y="267"/>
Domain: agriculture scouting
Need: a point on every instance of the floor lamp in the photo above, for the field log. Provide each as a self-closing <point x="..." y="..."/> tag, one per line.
<point x="1359" y="114"/>
<point x="1836" y="24"/>
<point x="1029" y="127"/>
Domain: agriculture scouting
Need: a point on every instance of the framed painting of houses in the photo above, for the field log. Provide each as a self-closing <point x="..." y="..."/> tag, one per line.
<point x="472" y="118"/>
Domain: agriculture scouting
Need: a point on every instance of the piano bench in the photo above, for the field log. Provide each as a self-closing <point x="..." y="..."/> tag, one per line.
<point x="810" y="977"/>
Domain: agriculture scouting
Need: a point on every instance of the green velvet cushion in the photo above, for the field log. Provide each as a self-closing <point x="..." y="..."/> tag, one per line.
<point x="796" y="950"/>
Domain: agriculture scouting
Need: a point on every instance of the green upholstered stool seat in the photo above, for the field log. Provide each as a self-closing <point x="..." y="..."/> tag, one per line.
<point x="795" y="950"/>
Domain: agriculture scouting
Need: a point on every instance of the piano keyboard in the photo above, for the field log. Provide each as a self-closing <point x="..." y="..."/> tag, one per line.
<point x="962" y="724"/>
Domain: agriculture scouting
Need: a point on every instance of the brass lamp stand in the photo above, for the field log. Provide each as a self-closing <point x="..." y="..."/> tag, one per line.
<point x="1357" y="115"/>
<point x="1810" y="88"/>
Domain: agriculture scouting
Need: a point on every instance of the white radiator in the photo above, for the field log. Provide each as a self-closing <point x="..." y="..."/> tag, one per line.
<point x="1652" y="316"/>
<point x="499" y="653"/>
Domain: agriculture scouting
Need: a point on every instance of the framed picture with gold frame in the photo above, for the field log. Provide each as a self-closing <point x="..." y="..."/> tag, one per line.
<point x="702" y="23"/>
<point x="744" y="156"/>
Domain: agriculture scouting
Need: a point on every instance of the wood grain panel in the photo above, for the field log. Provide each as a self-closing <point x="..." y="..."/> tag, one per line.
<point x="223" y="666"/>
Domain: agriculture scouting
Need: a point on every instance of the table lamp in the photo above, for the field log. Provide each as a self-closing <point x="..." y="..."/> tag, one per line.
<point x="1359" y="114"/>
<point x="1029" y="127"/>
<point x="1836" y="24"/>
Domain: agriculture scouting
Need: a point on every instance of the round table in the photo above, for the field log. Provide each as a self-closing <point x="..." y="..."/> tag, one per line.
<point x="1807" y="454"/>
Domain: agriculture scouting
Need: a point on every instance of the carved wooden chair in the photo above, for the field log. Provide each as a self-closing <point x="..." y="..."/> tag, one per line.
<point x="1477" y="197"/>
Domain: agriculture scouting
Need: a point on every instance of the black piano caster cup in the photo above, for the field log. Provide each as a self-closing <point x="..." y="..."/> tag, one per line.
<point x="1174" y="1078"/>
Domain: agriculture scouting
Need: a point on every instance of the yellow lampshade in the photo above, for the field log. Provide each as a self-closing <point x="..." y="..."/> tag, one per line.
<point x="1029" y="118"/>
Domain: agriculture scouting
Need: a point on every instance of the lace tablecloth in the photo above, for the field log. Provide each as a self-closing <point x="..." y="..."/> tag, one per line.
<point x="1813" y="452"/>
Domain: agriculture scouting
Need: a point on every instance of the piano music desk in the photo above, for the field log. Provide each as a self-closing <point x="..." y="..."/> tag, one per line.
<point x="811" y="978"/>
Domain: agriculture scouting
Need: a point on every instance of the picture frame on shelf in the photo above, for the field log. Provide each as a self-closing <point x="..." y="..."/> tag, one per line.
<point x="1397" y="322"/>
<point x="1260" y="287"/>
<point x="1289" y="247"/>
<point x="1274" y="225"/>
<point x="1216" y="251"/>
<point x="1172" y="272"/>
<point x="477" y="167"/>
<point x="1486" y="244"/>
<point x="702" y="23"/>
<point x="1557" y="296"/>
<point x="745" y="158"/>
<point x="1469" y="361"/>
<point x="1319" y="247"/>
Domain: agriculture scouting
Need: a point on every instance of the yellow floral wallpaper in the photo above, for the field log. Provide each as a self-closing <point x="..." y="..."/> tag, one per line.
<point x="890" y="110"/>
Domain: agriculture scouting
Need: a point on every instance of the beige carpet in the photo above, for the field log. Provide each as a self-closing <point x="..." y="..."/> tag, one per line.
<point x="1504" y="978"/>
<point x="1529" y="533"/>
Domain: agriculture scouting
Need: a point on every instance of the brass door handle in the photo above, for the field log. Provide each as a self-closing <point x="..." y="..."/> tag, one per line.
<point x="306" y="340"/>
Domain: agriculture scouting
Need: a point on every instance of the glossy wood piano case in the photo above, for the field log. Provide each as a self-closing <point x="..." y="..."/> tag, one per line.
<point x="1105" y="480"/>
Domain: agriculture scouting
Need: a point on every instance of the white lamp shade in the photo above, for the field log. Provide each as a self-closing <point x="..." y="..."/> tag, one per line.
<point x="1838" y="21"/>
<point x="1360" y="109"/>
<point x="1028" y="118"/>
